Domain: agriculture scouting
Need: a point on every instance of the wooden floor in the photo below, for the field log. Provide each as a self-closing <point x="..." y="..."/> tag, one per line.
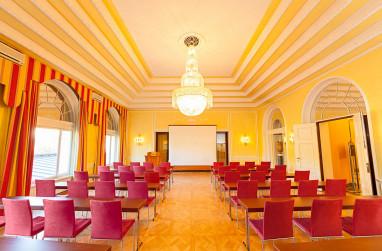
<point x="192" y="218"/>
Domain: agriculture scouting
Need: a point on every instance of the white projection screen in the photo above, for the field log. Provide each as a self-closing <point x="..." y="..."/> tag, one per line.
<point x="192" y="145"/>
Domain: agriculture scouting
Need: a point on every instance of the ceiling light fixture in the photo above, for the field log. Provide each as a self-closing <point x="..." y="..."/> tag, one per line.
<point x="192" y="98"/>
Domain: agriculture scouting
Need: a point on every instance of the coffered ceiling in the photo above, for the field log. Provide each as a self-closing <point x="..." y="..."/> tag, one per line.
<point x="255" y="50"/>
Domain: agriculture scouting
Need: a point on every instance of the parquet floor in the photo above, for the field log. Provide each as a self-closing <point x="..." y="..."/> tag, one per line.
<point x="192" y="218"/>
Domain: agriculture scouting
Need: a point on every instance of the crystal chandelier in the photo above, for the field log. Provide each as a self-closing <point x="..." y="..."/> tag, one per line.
<point x="192" y="98"/>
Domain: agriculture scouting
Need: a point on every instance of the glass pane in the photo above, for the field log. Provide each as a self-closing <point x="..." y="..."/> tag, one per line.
<point x="221" y="147"/>
<point x="162" y="145"/>
<point x="64" y="162"/>
<point x="112" y="150"/>
<point x="45" y="154"/>
<point x="108" y="149"/>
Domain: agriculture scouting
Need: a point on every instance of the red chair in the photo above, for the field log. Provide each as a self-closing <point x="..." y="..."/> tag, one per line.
<point x="45" y="188"/>
<point x="245" y="190"/>
<point x="117" y="164"/>
<point x="106" y="176"/>
<point x="280" y="168"/>
<point x="243" y="169"/>
<point x="19" y="220"/>
<point x="276" y="223"/>
<point x="301" y="175"/>
<point x="307" y="188"/>
<point x="105" y="189"/>
<point x="367" y="218"/>
<point x="280" y="189"/>
<point x="103" y="169"/>
<point x="153" y="177"/>
<point x="168" y="168"/>
<point x="60" y="221"/>
<point x="135" y="163"/>
<point x="260" y="176"/>
<point x="148" y="165"/>
<point x="124" y="177"/>
<point x="215" y="167"/>
<point x="263" y="169"/>
<point x="230" y="177"/>
<point x="335" y="187"/>
<point x="138" y="170"/>
<point x="77" y="189"/>
<point x="250" y="164"/>
<point x="162" y="170"/>
<point x="139" y="190"/>
<point x="107" y="222"/>
<point x="278" y="175"/>
<point x="234" y="164"/>
<point x="81" y="175"/>
<point x="266" y="163"/>
<point x="325" y="219"/>
<point x="123" y="169"/>
<point x="218" y="179"/>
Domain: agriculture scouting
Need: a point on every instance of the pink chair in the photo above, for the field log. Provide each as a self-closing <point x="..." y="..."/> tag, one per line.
<point x="245" y="190"/>
<point x="259" y="176"/>
<point x="229" y="177"/>
<point x="367" y="218"/>
<point x="276" y="223"/>
<point x="45" y="188"/>
<point x="280" y="168"/>
<point x="123" y="169"/>
<point x="215" y="167"/>
<point x="301" y="175"/>
<point x="61" y="213"/>
<point x="139" y="190"/>
<point x="162" y="170"/>
<point x="124" y="177"/>
<point x="335" y="187"/>
<point x="218" y="179"/>
<point x="106" y="176"/>
<point x="263" y="169"/>
<point x="243" y="169"/>
<point x="139" y="170"/>
<point x="81" y="175"/>
<point x="135" y="163"/>
<point x="19" y="220"/>
<point x="168" y="168"/>
<point x="250" y="164"/>
<point x="278" y="175"/>
<point x="325" y="219"/>
<point x="307" y="188"/>
<point x="280" y="189"/>
<point x="153" y="177"/>
<point x="148" y="165"/>
<point x="117" y="164"/>
<point x="77" y="189"/>
<point x="103" y="169"/>
<point x="107" y="222"/>
<point x="105" y="189"/>
<point x="234" y="164"/>
<point x="266" y="163"/>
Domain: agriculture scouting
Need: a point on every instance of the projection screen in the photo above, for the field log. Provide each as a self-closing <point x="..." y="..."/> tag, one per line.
<point x="192" y="145"/>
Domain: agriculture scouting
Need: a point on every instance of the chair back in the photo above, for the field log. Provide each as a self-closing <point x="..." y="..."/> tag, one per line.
<point x="161" y="169"/>
<point x="335" y="187"/>
<point x="326" y="217"/>
<point x="45" y="188"/>
<point x="231" y="177"/>
<point x="280" y="188"/>
<point x="77" y="189"/>
<point x="104" y="189"/>
<point x="138" y="170"/>
<point x="152" y="177"/>
<point x="301" y="175"/>
<point x="106" y="176"/>
<point x="135" y="163"/>
<point x="262" y="169"/>
<point x="259" y="176"/>
<point x="280" y="168"/>
<point x="124" y="177"/>
<point x="103" y="169"/>
<point x="148" y="165"/>
<point x="223" y="169"/>
<point x="243" y="169"/>
<point x="18" y="217"/>
<point x="217" y="164"/>
<point x="234" y="164"/>
<point x="166" y="164"/>
<point x="265" y="163"/>
<point x="59" y="213"/>
<point x="307" y="188"/>
<point x="250" y="164"/>
<point x="278" y="216"/>
<point x="367" y="217"/>
<point x="278" y="175"/>
<point x="123" y="169"/>
<point x="117" y="164"/>
<point x="247" y="189"/>
<point x="81" y="175"/>
<point x="106" y="219"/>
<point x="137" y="190"/>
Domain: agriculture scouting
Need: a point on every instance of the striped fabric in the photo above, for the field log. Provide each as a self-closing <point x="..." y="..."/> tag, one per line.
<point x="122" y="135"/>
<point x="83" y="137"/>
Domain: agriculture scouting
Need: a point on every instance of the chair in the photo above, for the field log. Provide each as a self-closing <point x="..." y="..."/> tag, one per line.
<point x="168" y="168"/>
<point x="325" y="221"/>
<point x="135" y="163"/>
<point x="162" y="170"/>
<point x="19" y="220"/>
<point x="280" y="168"/>
<point x="117" y="164"/>
<point x="45" y="188"/>
<point x="367" y="218"/>
<point x="139" y="170"/>
<point x="106" y="176"/>
<point x="107" y="222"/>
<point x="148" y="165"/>
<point x="250" y="164"/>
<point x="124" y="177"/>
<point x="301" y="175"/>
<point x="105" y="189"/>
<point x="221" y="171"/>
<point x="243" y="169"/>
<point x="278" y="175"/>
<point x="81" y="175"/>
<point x="245" y="190"/>
<point x="335" y="187"/>
<point x="265" y="163"/>
<point x="234" y="164"/>
<point x="215" y="167"/>
<point x="230" y="177"/>
<point x="276" y="223"/>
<point x="77" y="189"/>
<point x="139" y="190"/>
<point x="279" y="189"/>
<point x="307" y="188"/>
<point x="123" y="169"/>
<point x="103" y="169"/>
<point x="153" y="177"/>
<point x="263" y="169"/>
<point x="260" y="176"/>
<point x="61" y="213"/>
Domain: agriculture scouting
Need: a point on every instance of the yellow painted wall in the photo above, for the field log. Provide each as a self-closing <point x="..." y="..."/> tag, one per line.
<point x="92" y="146"/>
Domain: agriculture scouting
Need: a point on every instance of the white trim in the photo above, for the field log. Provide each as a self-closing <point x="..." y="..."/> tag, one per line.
<point x="52" y="123"/>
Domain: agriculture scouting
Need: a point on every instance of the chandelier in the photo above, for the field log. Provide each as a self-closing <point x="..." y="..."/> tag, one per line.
<point x="192" y="98"/>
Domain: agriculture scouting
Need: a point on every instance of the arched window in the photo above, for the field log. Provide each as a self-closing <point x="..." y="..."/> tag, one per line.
<point x="56" y="132"/>
<point x="112" y="136"/>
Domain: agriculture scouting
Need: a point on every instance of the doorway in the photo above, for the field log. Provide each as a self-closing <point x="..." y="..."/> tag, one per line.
<point x="162" y="145"/>
<point x="222" y="147"/>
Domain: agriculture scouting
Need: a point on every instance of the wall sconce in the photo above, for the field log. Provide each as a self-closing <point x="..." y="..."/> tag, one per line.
<point x="245" y="140"/>
<point x="139" y="140"/>
<point x="284" y="138"/>
<point x="291" y="138"/>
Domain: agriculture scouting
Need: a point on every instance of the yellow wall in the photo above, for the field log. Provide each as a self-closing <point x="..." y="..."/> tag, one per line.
<point x="237" y="122"/>
<point x="5" y="114"/>
<point x="92" y="146"/>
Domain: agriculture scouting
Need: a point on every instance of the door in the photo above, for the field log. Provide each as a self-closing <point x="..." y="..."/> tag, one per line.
<point x="306" y="149"/>
<point x="161" y="145"/>
<point x="362" y="155"/>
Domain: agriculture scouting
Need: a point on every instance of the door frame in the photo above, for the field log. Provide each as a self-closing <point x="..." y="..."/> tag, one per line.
<point x="168" y="142"/>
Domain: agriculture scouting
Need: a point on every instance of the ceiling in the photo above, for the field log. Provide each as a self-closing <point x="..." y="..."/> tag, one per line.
<point x="254" y="51"/>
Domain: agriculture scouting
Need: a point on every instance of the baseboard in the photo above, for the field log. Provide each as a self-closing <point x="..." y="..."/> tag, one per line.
<point x="191" y="168"/>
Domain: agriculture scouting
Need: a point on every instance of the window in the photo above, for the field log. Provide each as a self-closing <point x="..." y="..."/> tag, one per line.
<point x="112" y="139"/>
<point x="55" y="132"/>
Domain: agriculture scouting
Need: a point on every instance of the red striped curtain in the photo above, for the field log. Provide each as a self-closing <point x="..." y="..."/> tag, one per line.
<point x="101" y="147"/>
<point x="83" y="134"/>
<point x="122" y="135"/>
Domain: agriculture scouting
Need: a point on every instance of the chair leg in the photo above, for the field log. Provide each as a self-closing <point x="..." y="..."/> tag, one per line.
<point x="262" y="244"/>
<point x="122" y="245"/>
<point x="134" y="234"/>
<point x="237" y="218"/>
<point x="148" y="215"/>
